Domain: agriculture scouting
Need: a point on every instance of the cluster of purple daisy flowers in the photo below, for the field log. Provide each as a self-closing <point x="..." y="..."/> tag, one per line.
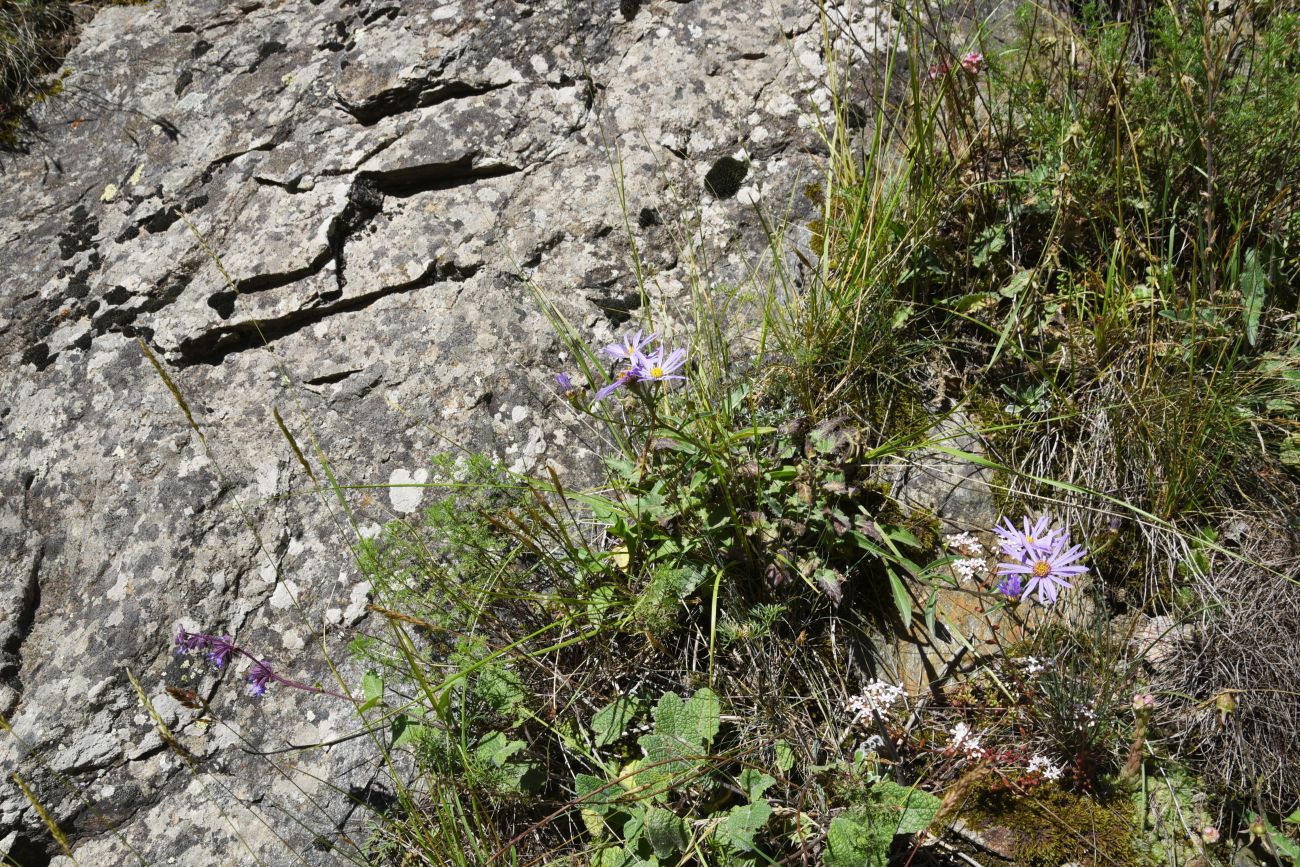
<point x="217" y="649"/>
<point x="1039" y="559"/>
<point x="641" y="364"/>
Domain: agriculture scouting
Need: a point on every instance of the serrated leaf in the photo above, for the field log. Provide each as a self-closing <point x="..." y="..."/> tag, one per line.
<point x="613" y="856"/>
<point x="703" y="715"/>
<point x="594" y="794"/>
<point x="495" y="748"/>
<point x="737" y="830"/>
<point x="665" y="831"/>
<point x="755" y="783"/>
<point x="911" y="810"/>
<point x="852" y="842"/>
<point x="669" y="715"/>
<point x="666" y="759"/>
<point x="612" y="720"/>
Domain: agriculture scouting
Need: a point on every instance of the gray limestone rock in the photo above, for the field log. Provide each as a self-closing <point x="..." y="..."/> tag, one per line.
<point x="341" y="212"/>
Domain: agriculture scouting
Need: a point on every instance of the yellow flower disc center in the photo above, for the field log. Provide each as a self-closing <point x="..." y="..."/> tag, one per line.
<point x="1041" y="568"/>
<point x="656" y="372"/>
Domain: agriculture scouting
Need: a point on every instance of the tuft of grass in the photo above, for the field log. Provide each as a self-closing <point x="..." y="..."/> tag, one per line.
<point x="35" y="35"/>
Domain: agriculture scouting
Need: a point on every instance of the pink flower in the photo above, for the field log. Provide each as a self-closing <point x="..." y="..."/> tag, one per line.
<point x="973" y="62"/>
<point x="939" y="70"/>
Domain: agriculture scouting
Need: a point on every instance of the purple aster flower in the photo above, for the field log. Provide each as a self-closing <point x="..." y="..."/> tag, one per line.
<point x="1031" y="539"/>
<point x="1048" y="571"/>
<point x="656" y="368"/>
<point x="259" y="677"/>
<point x="630" y="347"/>
<point x="219" y="650"/>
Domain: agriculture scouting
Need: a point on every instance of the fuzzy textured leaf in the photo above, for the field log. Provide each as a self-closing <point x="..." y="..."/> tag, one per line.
<point x="666" y="831"/>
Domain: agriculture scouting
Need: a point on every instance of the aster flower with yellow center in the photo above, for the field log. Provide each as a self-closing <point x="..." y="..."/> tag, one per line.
<point x="655" y="367"/>
<point x="1019" y="544"/>
<point x="1046" y="572"/>
<point x="631" y="346"/>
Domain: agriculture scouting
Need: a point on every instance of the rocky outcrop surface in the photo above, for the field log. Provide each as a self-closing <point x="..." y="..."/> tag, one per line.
<point x="337" y="211"/>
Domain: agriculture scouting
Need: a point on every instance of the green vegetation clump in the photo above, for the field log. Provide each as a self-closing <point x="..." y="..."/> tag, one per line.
<point x="34" y="37"/>
<point x="740" y="649"/>
<point x="1051" y="826"/>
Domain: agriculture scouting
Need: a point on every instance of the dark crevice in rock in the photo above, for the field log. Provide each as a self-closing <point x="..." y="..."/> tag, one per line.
<point x="267" y="50"/>
<point x="365" y="200"/>
<point x="413" y="95"/>
<point x="27" y="601"/>
<point x="725" y="177"/>
<point x="28" y="852"/>
<point x="212" y="347"/>
<point x="329" y="378"/>
<point x="219" y="162"/>
<point x="38" y="355"/>
<point x="224" y="301"/>
<point x="427" y="177"/>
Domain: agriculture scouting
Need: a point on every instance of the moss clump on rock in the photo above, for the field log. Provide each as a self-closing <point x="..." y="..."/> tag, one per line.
<point x="1050" y="826"/>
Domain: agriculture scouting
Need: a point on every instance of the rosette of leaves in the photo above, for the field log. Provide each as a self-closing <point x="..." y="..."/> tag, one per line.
<point x="635" y="816"/>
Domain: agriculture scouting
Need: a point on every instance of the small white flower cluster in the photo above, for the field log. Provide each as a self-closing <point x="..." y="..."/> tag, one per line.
<point x="966" y="741"/>
<point x="878" y="696"/>
<point x="1031" y="665"/>
<point x="1087" y="716"/>
<point x="1045" y="767"/>
<point x="968" y="568"/>
<point x="965" y="543"/>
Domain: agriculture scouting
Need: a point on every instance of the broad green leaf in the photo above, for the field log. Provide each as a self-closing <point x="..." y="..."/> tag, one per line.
<point x="372" y="688"/>
<point x="755" y="783"/>
<point x="496" y="748"/>
<point x="911" y="810"/>
<point x="852" y="842"/>
<point x="594" y="794"/>
<point x="902" y="601"/>
<point x="612" y="720"/>
<point x="702" y="715"/>
<point x="666" y="831"/>
<point x="742" y="823"/>
<point x="406" y="731"/>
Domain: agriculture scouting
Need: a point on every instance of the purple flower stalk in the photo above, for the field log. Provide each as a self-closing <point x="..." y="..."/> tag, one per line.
<point x="259" y="677"/>
<point x="1011" y="585"/>
<point x="219" y="650"/>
